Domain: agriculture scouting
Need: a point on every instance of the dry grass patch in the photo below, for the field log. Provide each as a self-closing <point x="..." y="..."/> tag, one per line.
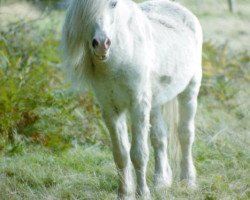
<point x="19" y="11"/>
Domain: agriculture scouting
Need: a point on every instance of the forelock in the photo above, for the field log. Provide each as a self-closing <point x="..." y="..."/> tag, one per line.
<point x="85" y="12"/>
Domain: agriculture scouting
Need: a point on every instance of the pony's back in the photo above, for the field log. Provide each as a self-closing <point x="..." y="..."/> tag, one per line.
<point x="172" y="14"/>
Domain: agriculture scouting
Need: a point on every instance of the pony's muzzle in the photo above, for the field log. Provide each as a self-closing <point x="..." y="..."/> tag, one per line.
<point x="101" y="46"/>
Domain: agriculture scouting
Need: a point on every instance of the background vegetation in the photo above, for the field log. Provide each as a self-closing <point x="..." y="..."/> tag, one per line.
<point x="53" y="144"/>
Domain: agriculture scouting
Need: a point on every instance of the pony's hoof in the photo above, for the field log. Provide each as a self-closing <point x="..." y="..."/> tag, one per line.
<point x="189" y="183"/>
<point x="144" y="194"/>
<point x="160" y="183"/>
<point x="126" y="197"/>
<point x="188" y="178"/>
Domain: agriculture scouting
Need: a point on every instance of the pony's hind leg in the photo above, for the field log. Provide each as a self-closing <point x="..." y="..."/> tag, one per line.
<point x="186" y="130"/>
<point x="117" y="126"/>
<point x="158" y="135"/>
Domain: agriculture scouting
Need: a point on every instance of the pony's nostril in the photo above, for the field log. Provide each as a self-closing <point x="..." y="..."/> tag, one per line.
<point x="107" y="43"/>
<point x="95" y="43"/>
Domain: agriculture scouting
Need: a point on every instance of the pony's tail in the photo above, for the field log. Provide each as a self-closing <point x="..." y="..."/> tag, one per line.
<point x="171" y="116"/>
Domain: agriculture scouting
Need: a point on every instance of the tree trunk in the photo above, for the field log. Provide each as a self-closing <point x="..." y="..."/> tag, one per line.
<point x="232" y="5"/>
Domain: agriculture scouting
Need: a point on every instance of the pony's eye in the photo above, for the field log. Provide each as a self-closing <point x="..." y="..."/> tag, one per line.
<point x="113" y="4"/>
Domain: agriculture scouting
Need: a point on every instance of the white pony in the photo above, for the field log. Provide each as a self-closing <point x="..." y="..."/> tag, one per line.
<point x="136" y="58"/>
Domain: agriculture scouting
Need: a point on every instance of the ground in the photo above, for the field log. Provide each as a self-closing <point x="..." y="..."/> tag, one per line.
<point x="220" y="25"/>
<point x="53" y="144"/>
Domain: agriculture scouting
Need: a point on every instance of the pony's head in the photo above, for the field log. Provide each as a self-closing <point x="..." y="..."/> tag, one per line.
<point x="89" y="29"/>
<point x="102" y="30"/>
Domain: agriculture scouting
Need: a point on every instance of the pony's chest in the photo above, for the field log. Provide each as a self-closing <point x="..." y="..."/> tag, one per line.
<point x="113" y="91"/>
<point x="119" y="96"/>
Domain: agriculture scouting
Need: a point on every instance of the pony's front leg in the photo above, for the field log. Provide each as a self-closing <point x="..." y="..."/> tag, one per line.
<point x="139" y="150"/>
<point x="120" y="143"/>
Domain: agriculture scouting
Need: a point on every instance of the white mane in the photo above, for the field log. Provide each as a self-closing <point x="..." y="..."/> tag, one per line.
<point x="81" y="14"/>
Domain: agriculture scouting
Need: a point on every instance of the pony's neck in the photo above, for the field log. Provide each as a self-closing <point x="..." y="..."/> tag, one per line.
<point x="132" y="25"/>
<point x="134" y="17"/>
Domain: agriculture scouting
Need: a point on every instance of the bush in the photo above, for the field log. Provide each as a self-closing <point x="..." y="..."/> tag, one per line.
<point x="225" y="73"/>
<point x="34" y="101"/>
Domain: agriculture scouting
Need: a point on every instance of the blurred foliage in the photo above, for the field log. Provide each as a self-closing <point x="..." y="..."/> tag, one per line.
<point x="54" y="4"/>
<point x="225" y="73"/>
<point x="33" y="1"/>
<point x="37" y="107"/>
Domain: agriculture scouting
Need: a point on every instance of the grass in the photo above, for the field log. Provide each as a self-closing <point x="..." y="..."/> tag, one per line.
<point x="72" y="174"/>
<point x="53" y="144"/>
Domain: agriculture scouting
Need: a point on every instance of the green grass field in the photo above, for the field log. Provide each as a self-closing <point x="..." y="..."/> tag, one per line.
<point x="54" y="145"/>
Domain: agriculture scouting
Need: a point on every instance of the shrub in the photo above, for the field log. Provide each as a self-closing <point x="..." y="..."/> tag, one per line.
<point x="225" y="73"/>
<point x="34" y="101"/>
